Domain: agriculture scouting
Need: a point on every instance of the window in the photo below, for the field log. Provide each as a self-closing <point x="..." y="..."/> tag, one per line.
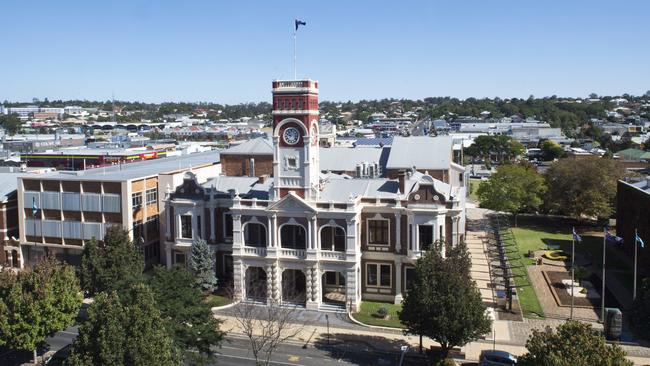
<point x="334" y="279"/>
<point x="378" y="275"/>
<point x="227" y="225"/>
<point x="179" y="259"/>
<point x="293" y="237"/>
<point x="332" y="238"/>
<point x="152" y="196"/>
<point x="409" y="277"/>
<point x="255" y="235"/>
<point x="186" y="226"/>
<point x="425" y="233"/>
<point x="292" y="162"/>
<point x="378" y="232"/>
<point x="152" y="227"/>
<point x="136" y="200"/>
<point x="138" y="232"/>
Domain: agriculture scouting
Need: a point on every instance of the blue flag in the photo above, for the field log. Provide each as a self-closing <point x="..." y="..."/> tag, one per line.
<point x="298" y="23"/>
<point x="638" y="240"/>
<point x="34" y="207"/>
<point x="576" y="237"/>
<point x="613" y="238"/>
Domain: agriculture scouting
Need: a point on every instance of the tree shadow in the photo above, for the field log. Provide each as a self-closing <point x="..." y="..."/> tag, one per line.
<point x="368" y="350"/>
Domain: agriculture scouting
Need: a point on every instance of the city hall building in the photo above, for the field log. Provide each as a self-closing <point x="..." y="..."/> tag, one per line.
<point x="307" y="236"/>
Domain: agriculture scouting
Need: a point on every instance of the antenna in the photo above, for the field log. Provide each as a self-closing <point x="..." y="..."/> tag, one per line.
<point x="295" y="72"/>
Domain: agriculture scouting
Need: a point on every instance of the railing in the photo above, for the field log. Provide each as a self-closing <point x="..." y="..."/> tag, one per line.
<point x="259" y="251"/>
<point x="332" y="255"/>
<point x="293" y="253"/>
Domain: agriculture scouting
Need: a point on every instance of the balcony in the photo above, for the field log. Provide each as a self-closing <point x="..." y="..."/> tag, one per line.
<point x="293" y="253"/>
<point x="255" y="251"/>
<point x="330" y="255"/>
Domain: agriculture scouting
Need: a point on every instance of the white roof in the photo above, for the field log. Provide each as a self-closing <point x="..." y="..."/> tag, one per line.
<point x="422" y="152"/>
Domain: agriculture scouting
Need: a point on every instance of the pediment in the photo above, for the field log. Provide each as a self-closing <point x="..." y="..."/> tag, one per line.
<point x="291" y="203"/>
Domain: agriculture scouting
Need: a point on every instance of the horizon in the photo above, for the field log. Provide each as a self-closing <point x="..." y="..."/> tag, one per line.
<point x="230" y="53"/>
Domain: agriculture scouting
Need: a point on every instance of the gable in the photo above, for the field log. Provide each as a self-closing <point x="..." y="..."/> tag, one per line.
<point x="291" y="203"/>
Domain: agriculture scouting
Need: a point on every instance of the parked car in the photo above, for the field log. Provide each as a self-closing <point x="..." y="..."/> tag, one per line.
<point x="59" y="357"/>
<point x="497" y="358"/>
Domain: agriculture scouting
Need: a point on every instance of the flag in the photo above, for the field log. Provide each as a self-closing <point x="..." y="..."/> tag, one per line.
<point x="612" y="238"/>
<point x="34" y="207"/>
<point x="576" y="237"/>
<point x="638" y="240"/>
<point x="298" y="23"/>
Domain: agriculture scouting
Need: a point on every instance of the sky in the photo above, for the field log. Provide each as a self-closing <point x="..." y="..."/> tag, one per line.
<point x="230" y="51"/>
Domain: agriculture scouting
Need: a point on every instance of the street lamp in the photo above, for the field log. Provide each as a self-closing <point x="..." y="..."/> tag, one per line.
<point x="404" y="349"/>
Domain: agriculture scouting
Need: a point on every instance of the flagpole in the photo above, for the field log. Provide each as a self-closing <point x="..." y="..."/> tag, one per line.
<point x="573" y="259"/>
<point x="602" y="293"/>
<point x="636" y="235"/>
<point x="295" y="73"/>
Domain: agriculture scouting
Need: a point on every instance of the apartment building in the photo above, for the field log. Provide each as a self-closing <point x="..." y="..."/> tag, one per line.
<point x="320" y="240"/>
<point x="61" y="211"/>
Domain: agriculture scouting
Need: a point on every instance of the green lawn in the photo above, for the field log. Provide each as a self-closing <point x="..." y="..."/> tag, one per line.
<point x="216" y="300"/>
<point x="473" y="187"/>
<point x="368" y="311"/>
<point x="535" y="234"/>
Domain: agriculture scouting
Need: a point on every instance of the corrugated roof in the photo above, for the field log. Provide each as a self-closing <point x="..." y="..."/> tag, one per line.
<point x="347" y="158"/>
<point x="135" y="170"/>
<point x="339" y="190"/>
<point x="223" y="184"/>
<point x="258" y="146"/>
<point x="423" y="152"/>
<point x="8" y="184"/>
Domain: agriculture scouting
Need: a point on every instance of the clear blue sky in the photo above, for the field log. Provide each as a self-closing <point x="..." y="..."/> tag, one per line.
<point x="229" y="51"/>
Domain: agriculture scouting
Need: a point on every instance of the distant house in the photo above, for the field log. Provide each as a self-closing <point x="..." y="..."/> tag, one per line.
<point x="633" y="201"/>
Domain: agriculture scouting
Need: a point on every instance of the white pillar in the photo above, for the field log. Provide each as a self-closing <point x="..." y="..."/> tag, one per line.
<point x="269" y="232"/>
<point x="309" y="241"/>
<point x="239" y="278"/>
<point x="237" y="239"/>
<point x="168" y="255"/>
<point x="313" y="232"/>
<point x="168" y="221"/>
<point x="398" y="232"/>
<point x="350" y="235"/>
<point x="414" y="238"/>
<point x="273" y="227"/>
<point x="398" y="281"/>
<point x="351" y="290"/>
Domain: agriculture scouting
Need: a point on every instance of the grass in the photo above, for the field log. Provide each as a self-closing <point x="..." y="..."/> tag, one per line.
<point x="473" y="187"/>
<point x="216" y="300"/>
<point x="368" y="311"/>
<point x="534" y="234"/>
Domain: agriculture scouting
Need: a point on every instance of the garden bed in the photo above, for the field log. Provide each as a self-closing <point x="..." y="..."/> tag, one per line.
<point x="368" y="314"/>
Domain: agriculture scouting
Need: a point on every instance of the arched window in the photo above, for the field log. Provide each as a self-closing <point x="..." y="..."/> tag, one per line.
<point x="255" y="235"/>
<point x="332" y="238"/>
<point x="293" y="237"/>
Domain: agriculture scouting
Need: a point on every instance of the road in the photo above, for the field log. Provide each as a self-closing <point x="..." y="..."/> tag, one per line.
<point x="235" y="350"/>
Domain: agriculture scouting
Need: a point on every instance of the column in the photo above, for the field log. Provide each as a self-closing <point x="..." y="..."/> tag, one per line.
<point x="195" y="226"/>
<point x="398" y="281"/>
<point x="398" y="232"/>
<point x="272" y="290"/>
<point x="313" y="232"/>
<point x="414" y="237"/>
<point x="309" y="237"/>
<point x="454" y="230"/>
<point x="350" y="235"/>
<point x="313" y="300"/>
<point x="168" y="255"/>
<point x="238" y="279"/>
<point x="213" y="226"/>
<point x="168" y="221"/>
<point x="351" y="290"/>
<point x="237" y="239"/>
<point x="269" y="232"/>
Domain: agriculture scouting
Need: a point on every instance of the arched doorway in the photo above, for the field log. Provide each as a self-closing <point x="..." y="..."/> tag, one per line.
<point x="332" y="238"/>
<point x="294" y="286"/>
<point x="256" y="284"/>
<point x="333" y="288"/>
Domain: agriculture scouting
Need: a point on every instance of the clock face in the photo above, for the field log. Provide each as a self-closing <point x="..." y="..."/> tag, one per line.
<point x="291" y="136"/>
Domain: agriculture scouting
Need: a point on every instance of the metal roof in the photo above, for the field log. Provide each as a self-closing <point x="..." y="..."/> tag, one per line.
<point x="223" y="184"/>
<point x="339" y="190"/>
<point x="139" y="169"/>
<point x="8" y="185"/>
<point x="258" y="146"/>
<point x="423" y="152"/>
<point x="347" y="158"/>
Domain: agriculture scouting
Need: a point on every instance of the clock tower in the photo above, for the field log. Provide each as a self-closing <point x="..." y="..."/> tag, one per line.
<point x="295" y="138"/>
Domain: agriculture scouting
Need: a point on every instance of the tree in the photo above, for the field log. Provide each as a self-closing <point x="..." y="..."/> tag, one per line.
<point x="443" y="302"/>
<point x="123" y="331"/>
<point x="113" y="264"/>
<point x="266" y="327"/>
<point x="640" y="312"/>
<point x="202" y="265"/>
<point x="514" y="189"/>
<point x="582" y="187"/>
<point x="178" y="298"/>
<point x="498" y="148"/>
<point x="551" y="150"/>
<point x="36" y="303"/>
<point x="11" y="122"/>
<point x="572" y="344"/>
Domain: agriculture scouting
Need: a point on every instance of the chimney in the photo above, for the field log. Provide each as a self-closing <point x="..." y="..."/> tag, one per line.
<point x="401" y="177"/>
<point x="263" y="178"/>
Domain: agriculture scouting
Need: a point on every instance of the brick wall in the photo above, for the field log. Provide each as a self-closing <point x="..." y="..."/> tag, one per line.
<point x="239" y="165"/>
